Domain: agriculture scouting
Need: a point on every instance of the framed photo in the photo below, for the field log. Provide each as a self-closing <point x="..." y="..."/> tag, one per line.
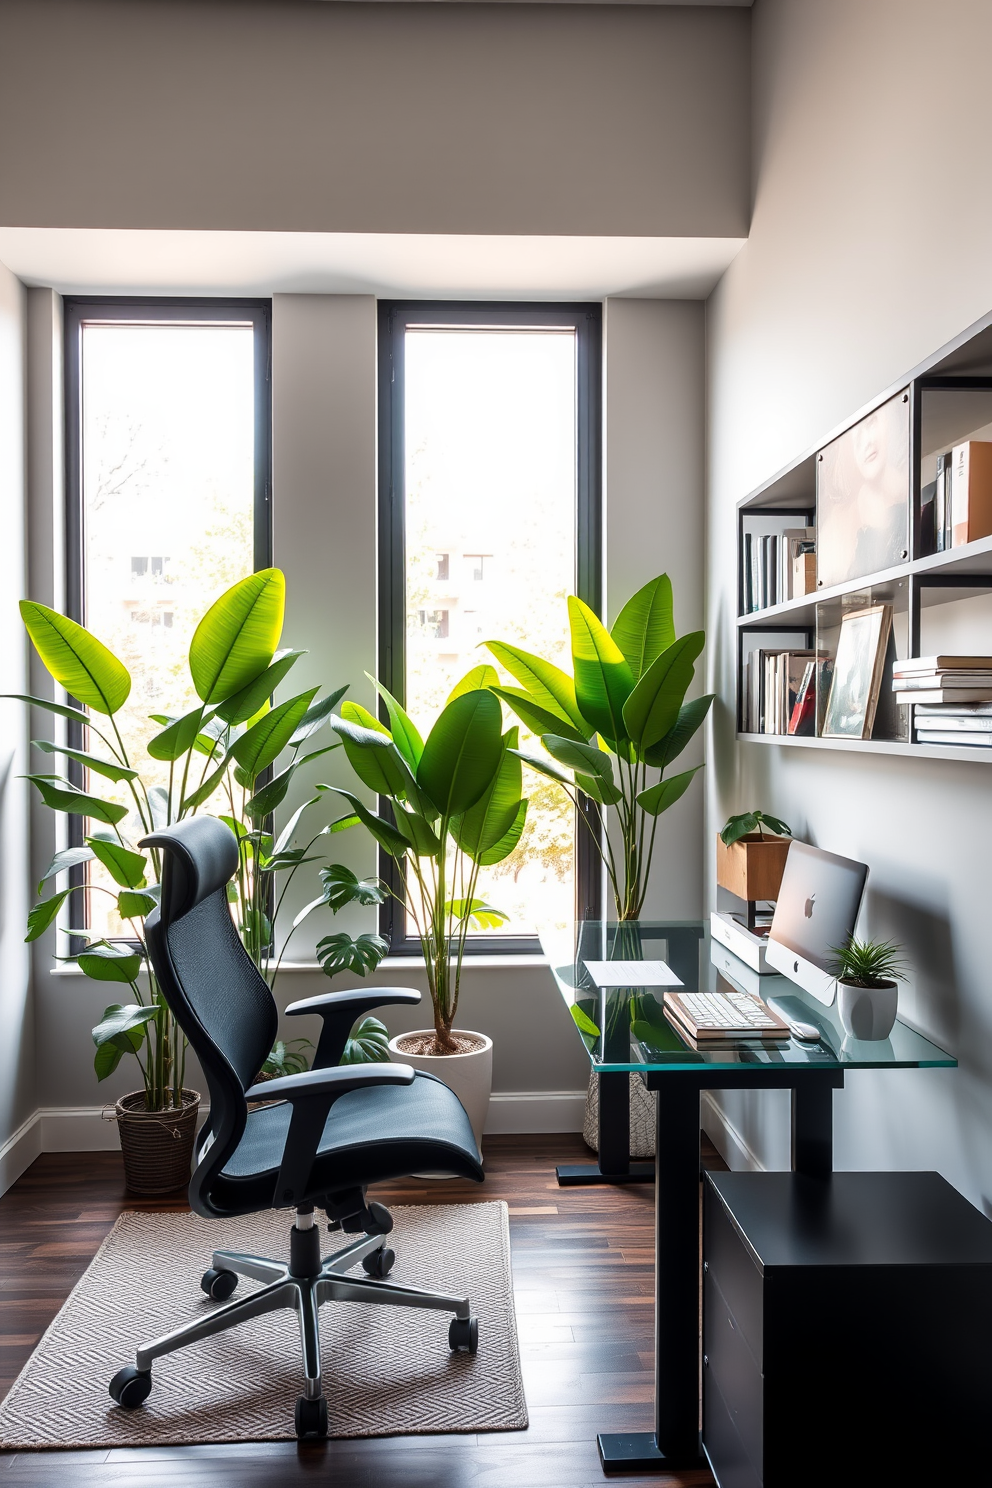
<point x="862" y="497"/>
<point x="857" y="676"/>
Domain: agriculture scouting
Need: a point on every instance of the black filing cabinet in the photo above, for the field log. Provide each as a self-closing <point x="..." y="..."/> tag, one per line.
<point x="847" y="1331"/>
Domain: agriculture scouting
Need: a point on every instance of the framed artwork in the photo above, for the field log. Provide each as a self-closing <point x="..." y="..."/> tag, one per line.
<point x="857" y="674"/>
<point x="862" y="497"/>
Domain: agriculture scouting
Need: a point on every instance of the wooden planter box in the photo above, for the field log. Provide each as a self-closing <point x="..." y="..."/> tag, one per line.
<point x="752" y="867"/>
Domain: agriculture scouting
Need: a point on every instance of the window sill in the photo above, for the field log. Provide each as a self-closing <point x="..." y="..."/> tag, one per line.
<point x="390" y="964"/>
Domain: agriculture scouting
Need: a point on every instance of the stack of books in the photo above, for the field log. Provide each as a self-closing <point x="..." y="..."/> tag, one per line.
<point x="778" y="566"/>
<point x="953" y="697"/>
<point x="780" y="691"/>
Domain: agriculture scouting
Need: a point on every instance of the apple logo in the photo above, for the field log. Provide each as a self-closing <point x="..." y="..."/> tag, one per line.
<point x="808" y="906"/>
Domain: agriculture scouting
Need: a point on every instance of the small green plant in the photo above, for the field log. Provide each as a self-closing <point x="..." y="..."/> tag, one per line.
<point x="868" y="963"/>
<point x="751" y="821"/>
<point x="287" y="1059"/>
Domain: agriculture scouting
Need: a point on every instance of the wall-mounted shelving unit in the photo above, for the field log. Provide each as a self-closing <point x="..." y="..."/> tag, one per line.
<point x="940" y="601"/>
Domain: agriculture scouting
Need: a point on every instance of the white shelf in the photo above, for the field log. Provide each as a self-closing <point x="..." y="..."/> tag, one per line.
<point x="973" y="557"/>
<point x="971" y="754"/>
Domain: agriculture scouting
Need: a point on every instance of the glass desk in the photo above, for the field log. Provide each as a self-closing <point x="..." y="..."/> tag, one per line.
<point x="624" y="1030"/>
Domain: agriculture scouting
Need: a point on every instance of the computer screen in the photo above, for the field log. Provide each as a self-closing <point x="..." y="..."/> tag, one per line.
<point x="816" y="911"/>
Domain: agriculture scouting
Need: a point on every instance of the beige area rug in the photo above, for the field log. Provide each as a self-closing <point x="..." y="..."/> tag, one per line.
<point x="386" y="1370"/>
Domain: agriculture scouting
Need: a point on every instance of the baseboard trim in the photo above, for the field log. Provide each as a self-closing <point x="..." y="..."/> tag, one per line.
<point x="19" y="1151"/>
<point x="516" y="1112"/>
<point x="727" y="1140"/>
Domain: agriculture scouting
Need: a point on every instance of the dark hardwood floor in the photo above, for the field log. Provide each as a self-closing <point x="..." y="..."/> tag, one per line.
<point x="583" y="1279"/>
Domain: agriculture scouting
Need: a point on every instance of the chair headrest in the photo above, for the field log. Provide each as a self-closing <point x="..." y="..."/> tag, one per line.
<point x="201" y="855"/>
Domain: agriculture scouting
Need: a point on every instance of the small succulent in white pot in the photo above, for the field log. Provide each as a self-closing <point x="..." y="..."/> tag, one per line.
<point x="868" y="973"/>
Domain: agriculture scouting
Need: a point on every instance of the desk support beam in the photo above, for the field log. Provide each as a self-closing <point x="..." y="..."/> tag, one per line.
<point x="812" y="1128"/>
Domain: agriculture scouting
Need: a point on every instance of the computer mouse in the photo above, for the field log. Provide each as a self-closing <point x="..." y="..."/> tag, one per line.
<point x="807" y="1032"/>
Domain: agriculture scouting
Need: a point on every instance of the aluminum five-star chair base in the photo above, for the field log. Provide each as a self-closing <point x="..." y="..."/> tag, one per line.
<point x="301" y="1286"/>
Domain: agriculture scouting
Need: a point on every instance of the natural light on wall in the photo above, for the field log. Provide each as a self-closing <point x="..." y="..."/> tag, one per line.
<point x="168" y="493"/>
<point x="490" y="553"/>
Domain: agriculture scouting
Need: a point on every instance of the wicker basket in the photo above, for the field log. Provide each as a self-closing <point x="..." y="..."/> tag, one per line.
<point x="643" y="1108"/>
<point x="157" y="1145"/>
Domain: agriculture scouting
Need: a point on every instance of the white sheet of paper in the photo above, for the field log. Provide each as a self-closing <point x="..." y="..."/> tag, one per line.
<point x="632" y="974"/>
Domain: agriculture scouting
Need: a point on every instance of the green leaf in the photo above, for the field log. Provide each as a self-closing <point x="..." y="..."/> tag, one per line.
<point x="61" y="709"/>
<point x="237" y="637"/>
<point x="738" y="827"/>
<point x="125" y="867"/>
<point x="123" y="1019"/>
<point x="406" y="736"/>
<point x="176" y="740"/>
<point x="343" y="823"/>
<point x="108" y="1057"/>
<point x="265" y="801"/>
<point x="644" y="627"/>
<point x="158" y="805"/>
<point x="421" y="836"/>
<point x="286" y="835"/>
<point x="492" y="816"/>
<point x="603" y="679"/>
<point x="101" y="767"/>
<point x="659" y="797"/>
<point x="108" y="963"/>
<point x="205" y="791"/>
<point x="775" y="824"/>
<point x="583" y="757"/>
<point x="343" y="953"/>
<point x="602" y="791"/>
<point x="503" y="848"/>
<point x="132" y="906"/>
<point x="653" y="707"/>
<point x="462" y="753"/>
<point x="539" y="720"/>
<point x="372" y="754"/>
<point x="548" y="686"/>
<point x="478" y="678"/>
<point x="355" y="713"/>
<point x="482" y="916"/>
<point x="60" y="795"/>
<point x="368" y="1043"/>
<point x="246" y="703"/>
<point x="384" y="832"/>
<point x="543" y="767"/>
<point x="260" y="745"/>
<point x="582" y="1021"/>
<point x="342" y="887"/>
<point x="44" y="913"/>
<point x="82" y="664"/>
<point x="690" y="717"/>
<point x="69" y="857"/>
<point x="316" y="716"/>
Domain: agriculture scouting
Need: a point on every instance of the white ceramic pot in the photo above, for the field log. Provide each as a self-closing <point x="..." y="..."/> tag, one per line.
<point x="867" y="1012"/>
<point x="469" y="1075"/>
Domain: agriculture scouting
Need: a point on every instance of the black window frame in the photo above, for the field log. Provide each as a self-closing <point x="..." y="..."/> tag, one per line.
<point x="395" y="316"/>
<point x="80" y="310"/>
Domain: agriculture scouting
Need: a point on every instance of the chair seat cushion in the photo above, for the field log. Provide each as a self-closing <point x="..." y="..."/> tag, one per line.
<point x="388" y="1131"/>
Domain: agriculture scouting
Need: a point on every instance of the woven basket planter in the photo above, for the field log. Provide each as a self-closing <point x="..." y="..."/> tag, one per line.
<point x="157" y="1145"/>
<point x="643" y="1108"/>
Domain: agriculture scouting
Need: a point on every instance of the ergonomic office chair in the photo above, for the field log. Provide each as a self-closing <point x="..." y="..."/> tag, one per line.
<point x="335" y="1129"/>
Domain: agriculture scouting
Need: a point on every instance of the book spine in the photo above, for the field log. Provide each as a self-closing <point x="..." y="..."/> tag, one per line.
<point x="748" y="598"/>
<point x="940" y="504"/>
<point x="763" y="573"/>
<point x="960" y="476"/>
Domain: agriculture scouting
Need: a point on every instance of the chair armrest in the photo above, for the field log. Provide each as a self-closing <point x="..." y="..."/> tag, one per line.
<point x="312" y="1094"/>
<point x="339" y="1011"/>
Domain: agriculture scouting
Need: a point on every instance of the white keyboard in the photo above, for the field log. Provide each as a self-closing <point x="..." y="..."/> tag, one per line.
<point x="715" y="1011"/>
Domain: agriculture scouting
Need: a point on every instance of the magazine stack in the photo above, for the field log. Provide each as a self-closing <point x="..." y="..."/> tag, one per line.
<point x="952" y="697"/>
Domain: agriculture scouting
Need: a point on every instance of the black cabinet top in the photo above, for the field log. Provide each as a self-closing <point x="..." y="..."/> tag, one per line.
<point x="854" y="1219"/>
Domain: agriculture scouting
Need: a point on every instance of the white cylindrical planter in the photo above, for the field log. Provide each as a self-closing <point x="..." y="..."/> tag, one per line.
<point x="469" y="1075"/>
<point x="867" y="1012"/>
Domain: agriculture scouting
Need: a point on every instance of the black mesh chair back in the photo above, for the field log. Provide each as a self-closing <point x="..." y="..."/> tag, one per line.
<point x="219" y="998"/>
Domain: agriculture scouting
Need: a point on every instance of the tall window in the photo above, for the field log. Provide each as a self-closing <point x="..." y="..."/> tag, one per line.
<point x="168" y="471"/>
<point x="489" y="518"/>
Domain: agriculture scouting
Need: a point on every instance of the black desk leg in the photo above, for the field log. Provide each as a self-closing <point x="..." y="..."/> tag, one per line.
<point x="614" y="1164"/>
<point x="813" y="1128"/>
<point x="675" y="1440"/>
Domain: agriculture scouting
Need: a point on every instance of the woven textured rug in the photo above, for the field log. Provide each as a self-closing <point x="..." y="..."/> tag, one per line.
<point x="386" y="1370"/>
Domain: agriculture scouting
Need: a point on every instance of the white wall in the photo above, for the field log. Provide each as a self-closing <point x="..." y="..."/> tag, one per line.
<point x="17" y="1084"/>
<point x="870" y="247"/>
<point x="311" y="117"/>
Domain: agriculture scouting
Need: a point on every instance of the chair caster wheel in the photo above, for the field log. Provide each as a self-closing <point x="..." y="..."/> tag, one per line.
<point x="378" y="1220"/>
<point x="218" y="1284"/>
<point x="130" y="1388"/>
<point x="311" y="1416"/>
<point x="463" y="1335"/>
<point x="379" y="1262"/>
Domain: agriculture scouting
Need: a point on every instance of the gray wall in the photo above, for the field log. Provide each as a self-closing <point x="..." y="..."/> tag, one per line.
<point x="870" y="247"/>
<point x="17" y="1085"/>
<point x="374" y="118"/>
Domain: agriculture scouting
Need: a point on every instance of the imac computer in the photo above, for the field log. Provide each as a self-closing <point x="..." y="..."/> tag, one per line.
<point x="816" y="911"/>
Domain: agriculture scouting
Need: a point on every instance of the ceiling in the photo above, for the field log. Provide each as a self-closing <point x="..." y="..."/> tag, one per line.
<point x="132" y="261"/>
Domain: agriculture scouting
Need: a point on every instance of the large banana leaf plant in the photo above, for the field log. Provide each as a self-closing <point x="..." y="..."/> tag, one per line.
<point x="218" y="753"/>
<point x="456" y="807"/>
<point x="613" y="728"/>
